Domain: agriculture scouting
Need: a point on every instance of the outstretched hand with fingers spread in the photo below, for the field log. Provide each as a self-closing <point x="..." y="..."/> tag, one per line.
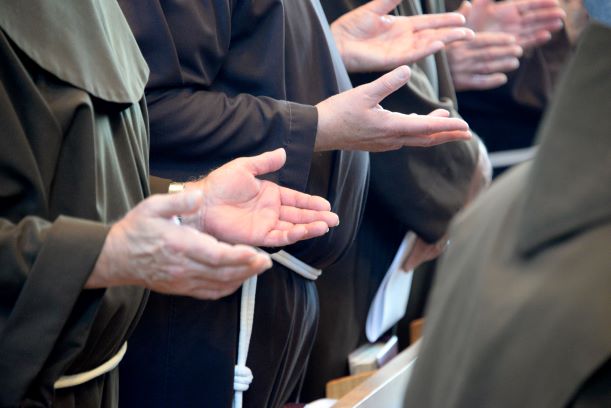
<point x="482" y="62"/>
<point x="354" y="120"/>
<point x="240" y="208"/>
<point x="530" y="21"/>
<point x="369" y="39"/>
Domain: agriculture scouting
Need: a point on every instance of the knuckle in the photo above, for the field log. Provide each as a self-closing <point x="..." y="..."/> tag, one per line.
<point x="387" y="84"/>
<point x="487" y="66"/>
<point x="171" y="246"/>
<point x="215" y="258"/>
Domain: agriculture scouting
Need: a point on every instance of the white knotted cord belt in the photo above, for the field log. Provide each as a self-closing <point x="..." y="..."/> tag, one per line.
<point x="73" y="380"/>
<point x="242" y="374"/>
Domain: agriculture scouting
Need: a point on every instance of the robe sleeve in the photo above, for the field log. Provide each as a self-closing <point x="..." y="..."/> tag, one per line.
<point x="44" y="268"/>
<point x="199" y="120"/>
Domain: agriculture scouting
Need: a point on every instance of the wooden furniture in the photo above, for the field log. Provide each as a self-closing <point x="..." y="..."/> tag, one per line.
<point x="339" y="387"/>
<point x="415" y="330"/>
<point x="387" y="386"/>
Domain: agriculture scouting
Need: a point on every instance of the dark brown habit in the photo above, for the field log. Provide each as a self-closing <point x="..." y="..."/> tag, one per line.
<point x="73" y="156"/>
<point x="232" y="78"/>
<point x="410" y="189"/>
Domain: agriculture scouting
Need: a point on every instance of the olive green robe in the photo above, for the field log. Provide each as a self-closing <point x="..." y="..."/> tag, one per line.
<point x="73" y="157"/>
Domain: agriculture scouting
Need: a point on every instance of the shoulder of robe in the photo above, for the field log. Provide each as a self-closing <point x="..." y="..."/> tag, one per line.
<point x="568" y="190"/>
<point x="86" y="43"/>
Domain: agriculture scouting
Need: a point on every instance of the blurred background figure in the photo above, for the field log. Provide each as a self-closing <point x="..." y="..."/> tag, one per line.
<point x="519" y="315"/>
<point x="506" y="114"/>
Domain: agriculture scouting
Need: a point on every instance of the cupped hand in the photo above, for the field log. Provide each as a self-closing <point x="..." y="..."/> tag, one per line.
<point x="146" y="248"/>
<point x="354" y="120"/>
<point x="240" y="208"/>
<point x="369" y="39"/>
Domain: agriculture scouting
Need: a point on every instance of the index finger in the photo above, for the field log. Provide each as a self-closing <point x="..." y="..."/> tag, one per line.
<point x="438" y="20"/>
<point x="435" y="139"/>
<point x="422" y="125"/>
<point x="447" y="35"/>
<point x="293" y="198"/>
<point x="205" y="249"/>
<point x="525" y="6"/>
<point x="489" y="38"/>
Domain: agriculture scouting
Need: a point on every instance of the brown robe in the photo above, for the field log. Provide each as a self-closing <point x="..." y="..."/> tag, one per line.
<point x="410" y="189"/>
<point x="228" y="79"/>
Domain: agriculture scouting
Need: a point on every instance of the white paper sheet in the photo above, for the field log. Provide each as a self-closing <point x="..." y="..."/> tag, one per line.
<point x="390" y="301"/>
<point x="321" y="403"/>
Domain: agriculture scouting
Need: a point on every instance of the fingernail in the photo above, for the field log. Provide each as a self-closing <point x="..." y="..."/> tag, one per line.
<point x="403" y="73"/>
<point x="194" y="197"/>
<point x="269" y="263"/>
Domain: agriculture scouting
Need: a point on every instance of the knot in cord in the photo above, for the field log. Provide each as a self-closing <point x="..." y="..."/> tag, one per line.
<point x="242" y="378"/>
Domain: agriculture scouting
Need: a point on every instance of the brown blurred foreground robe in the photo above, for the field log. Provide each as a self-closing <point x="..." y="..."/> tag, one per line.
<point x="520" y="313"/>
<point x="73" y="156"/>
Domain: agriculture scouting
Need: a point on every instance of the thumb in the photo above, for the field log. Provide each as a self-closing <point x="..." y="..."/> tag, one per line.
<point x="440" y="113"/>
<point x="386" y="84"/>
<point x="382" y="6"/>
<point x="168" y="205"/>
<point x="264" y="163"/>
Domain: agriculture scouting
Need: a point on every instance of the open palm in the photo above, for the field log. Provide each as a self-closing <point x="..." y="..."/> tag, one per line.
<point x="240" y="208"/>
<point x="369" y="39"/>
<point x="530" y="21"/>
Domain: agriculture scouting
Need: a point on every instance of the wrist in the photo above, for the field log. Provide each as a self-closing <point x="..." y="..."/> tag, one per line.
<point x="324" y="136"/>
<point x="106" y="272"/>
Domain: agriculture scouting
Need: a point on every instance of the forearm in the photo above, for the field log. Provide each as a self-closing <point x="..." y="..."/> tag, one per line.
<point x="203" y="130"/>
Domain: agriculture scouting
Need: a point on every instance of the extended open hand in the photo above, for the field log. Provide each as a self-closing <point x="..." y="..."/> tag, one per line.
<point x="354" y="120"/>
<point x="482" y="62"/>
<point x="530" y="21"/>
<point x="369" y="39"/>
<point x="240" y="208"/>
